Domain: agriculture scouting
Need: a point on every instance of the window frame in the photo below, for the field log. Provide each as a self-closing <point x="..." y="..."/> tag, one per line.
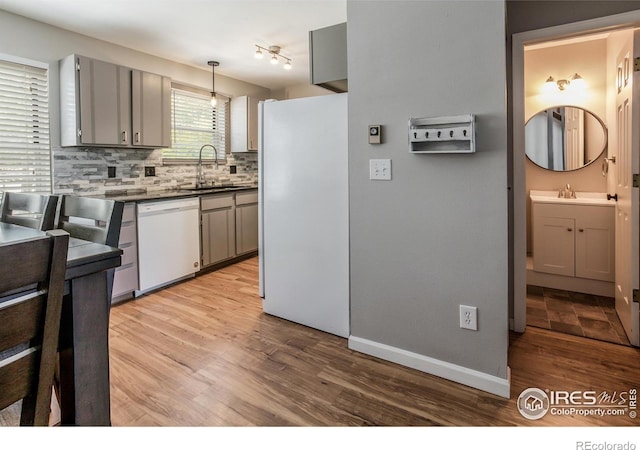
<point x="45" y="120"/>
<point x="199" y="92"/>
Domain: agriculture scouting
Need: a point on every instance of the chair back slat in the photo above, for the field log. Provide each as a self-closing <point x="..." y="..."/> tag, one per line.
<point x="36" y="211"/>
<point x="92" y="219"/>
<point x="31" y="322"/>
<point x="23" y="263"/>
<point x="22" y="319"/>
<point x="20" y="366"/>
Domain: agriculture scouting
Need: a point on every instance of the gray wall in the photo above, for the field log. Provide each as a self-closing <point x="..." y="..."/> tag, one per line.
<point x="435" y="236"/>
<point x="85" y="171"/>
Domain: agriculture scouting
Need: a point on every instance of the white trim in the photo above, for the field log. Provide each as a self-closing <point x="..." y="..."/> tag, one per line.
<point x="24" y="61"/>
<point x="459" y="374"/>
<point x="519" y="40"/>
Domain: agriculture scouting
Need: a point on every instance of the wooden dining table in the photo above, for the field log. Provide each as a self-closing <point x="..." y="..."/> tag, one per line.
<point x="84" y="328"/>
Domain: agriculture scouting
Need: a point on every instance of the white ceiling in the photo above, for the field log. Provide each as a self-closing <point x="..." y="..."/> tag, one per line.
<point x="196" y="31"/>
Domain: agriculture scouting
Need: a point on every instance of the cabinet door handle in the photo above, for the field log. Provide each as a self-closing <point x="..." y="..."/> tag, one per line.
<point x="137" y="138"/>
<point x="124" y="136"/>
<point x="569" y="229"/>
<point x="581" y="230"/>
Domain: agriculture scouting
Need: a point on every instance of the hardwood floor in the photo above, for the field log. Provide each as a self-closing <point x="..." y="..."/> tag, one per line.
<point x="202" y="353"/>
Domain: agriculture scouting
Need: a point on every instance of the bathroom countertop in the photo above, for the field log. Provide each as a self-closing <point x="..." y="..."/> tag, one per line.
<point x="582" y="198"/>
<point x="141" y="195"/>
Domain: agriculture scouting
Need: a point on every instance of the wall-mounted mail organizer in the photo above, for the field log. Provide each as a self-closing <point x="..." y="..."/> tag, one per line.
<point x="448" y="134"/>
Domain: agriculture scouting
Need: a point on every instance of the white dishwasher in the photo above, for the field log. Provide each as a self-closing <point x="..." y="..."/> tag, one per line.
<point x="168" y="242"/>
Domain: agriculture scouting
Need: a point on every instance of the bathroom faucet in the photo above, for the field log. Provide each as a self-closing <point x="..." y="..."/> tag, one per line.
<point x="200" y="181"/>
<point x="567" y="192"/>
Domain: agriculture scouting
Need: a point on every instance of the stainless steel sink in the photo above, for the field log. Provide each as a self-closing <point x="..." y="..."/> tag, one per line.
<point x="213" y="188"/>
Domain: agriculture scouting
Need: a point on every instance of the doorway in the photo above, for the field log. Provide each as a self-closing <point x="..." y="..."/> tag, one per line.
<point x="579" y="33"/>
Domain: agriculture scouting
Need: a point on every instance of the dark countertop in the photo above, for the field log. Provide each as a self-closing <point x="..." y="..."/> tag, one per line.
<point x="141" y="195"/>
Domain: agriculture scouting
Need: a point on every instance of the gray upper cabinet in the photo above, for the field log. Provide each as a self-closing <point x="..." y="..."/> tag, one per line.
<point x="104" y="104"/>
<point x="244" y="124"/>
<point x="95" y="98"/>
<point x="328" y="57"/>
<point x="151" y="109"/>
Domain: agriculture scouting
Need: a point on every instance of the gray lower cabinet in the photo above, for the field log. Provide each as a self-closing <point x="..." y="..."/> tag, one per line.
<point x="125" y="280"/>
<point x="246" y="222"/>
<point x="218" y="228"/>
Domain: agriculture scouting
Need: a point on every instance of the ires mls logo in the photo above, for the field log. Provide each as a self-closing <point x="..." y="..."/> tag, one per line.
<point x="534" y="403"/>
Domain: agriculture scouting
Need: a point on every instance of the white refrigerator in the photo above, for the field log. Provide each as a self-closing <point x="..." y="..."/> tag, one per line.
<point x="304" y="211"/>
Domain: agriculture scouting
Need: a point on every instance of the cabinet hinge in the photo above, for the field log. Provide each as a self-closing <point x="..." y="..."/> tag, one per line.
<point x="636" y="64"/>
<point x="636" y="180"/>
<point x="79" y="132"/>
<point x="636" y="296"/>
<point x="78" y="66"/>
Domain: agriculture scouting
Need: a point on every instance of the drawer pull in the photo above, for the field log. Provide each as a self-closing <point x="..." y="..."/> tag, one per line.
<point x="569" y="229"/>
<point x="581" y="230"/>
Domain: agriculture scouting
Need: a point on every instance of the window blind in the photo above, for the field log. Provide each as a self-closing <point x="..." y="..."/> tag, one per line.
<point x="196" y="123"/>
<point x="25" y="153"/>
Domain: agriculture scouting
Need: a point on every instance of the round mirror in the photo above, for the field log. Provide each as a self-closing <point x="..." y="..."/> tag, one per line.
<point x="564" y="138"/>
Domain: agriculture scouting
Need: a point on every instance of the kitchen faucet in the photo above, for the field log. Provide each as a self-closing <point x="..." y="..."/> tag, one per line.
<point x="200" y="181"/>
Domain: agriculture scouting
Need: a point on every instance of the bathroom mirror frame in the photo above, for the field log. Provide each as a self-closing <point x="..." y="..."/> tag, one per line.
<point x="605" y="133"/>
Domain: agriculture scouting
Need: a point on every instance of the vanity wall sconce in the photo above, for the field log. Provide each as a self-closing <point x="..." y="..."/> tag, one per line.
<point x="575" y="81"/>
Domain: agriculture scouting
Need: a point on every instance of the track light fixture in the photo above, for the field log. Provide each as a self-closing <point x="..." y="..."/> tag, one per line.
<point x="274" y="51"/>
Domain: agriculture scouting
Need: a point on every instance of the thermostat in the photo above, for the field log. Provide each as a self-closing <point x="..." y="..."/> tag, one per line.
<point x="374" y="134"/>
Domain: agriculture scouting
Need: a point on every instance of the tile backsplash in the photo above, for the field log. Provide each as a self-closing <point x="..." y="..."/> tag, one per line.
<point x="84" y="171"/>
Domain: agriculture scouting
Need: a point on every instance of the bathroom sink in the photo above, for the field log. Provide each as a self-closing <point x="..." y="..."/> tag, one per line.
<point x="582" y="198"/>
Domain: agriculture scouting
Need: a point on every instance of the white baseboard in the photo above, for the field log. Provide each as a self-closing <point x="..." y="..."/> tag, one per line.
<point x="443" y="369"/>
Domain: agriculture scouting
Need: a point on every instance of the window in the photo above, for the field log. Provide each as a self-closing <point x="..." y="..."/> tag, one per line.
<point x="194" y="122"/>
<point x="25" y="153"/>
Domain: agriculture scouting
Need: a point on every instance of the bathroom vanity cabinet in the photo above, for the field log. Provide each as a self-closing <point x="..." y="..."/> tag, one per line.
<point x="574" y="240"/>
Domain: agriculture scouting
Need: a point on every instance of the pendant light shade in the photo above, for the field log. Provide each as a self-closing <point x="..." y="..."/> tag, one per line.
<point x="213" y="64"/>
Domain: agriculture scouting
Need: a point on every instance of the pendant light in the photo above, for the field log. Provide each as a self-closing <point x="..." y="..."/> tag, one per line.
<point x="213" y="65"/>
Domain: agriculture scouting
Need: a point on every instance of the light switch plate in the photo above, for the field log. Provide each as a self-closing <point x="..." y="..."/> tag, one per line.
<point x="380" y="169"/>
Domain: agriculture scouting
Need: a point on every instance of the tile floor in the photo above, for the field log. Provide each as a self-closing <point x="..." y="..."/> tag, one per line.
<point x="574" y="313"/>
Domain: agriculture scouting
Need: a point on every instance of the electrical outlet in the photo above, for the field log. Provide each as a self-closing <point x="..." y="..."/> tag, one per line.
<point x="469" y="317"/>
<point x="111" y="172"/>
<point x="233" y="169"/>
<point x="149" y="171"/>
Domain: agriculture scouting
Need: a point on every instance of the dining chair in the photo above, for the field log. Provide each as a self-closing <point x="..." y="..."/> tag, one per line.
<point x="31" y="322"/>
<point x="29" y="210"/>
<point x="92" y="219"/>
